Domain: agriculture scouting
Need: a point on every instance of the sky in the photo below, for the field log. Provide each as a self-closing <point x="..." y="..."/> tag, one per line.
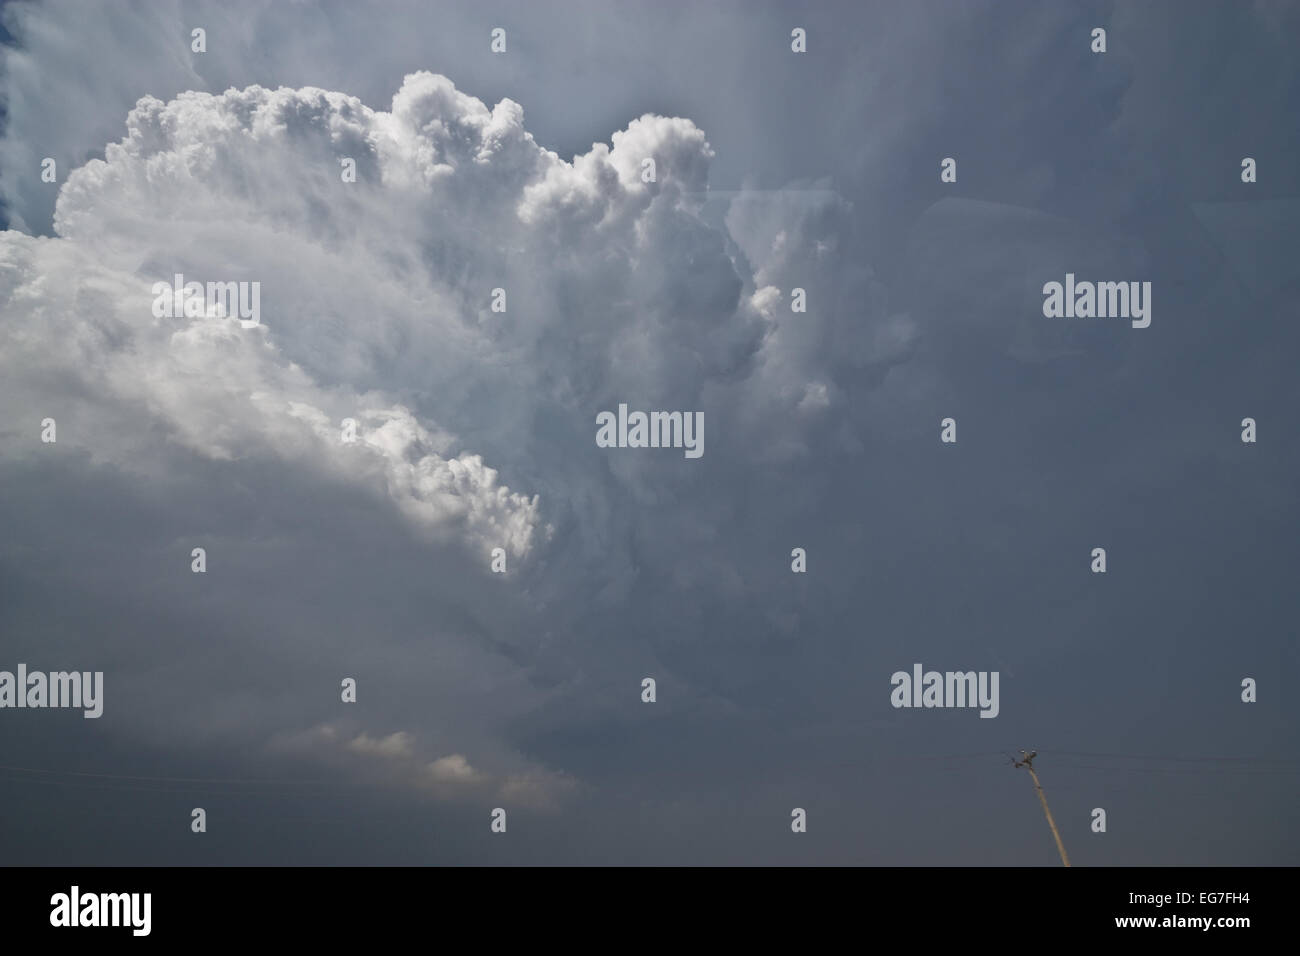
<point x="523" y="171"/>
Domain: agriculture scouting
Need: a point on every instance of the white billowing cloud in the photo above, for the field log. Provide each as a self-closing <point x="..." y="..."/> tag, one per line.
<point x="612" y="284"/>
<point x="395" y="760"/>
<point x="540" y="790"/>
<point x="84" y="348"/>
<point x="476" y="426"/>
<point x="453" y="769"/>
<point x="376" y="296"/>
<point x="384" y="284"/>
<point x="396" y="744"/>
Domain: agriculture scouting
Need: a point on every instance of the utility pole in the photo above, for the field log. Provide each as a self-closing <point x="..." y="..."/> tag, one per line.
<point x="1028" y="764"/>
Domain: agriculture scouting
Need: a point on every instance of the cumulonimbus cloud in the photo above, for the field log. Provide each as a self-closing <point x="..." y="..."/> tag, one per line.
<point x="376" y="294"/>
<point x="474" y="423"/>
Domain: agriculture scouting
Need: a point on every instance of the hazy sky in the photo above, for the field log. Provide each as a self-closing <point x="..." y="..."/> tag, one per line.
<point x="522" y="171"/>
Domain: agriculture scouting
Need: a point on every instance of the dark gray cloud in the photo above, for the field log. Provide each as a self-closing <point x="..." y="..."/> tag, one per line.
<point x="822" y="432"/>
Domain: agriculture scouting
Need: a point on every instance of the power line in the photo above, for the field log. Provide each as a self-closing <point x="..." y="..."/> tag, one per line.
<point x="1212" y="771"/>
<point x="235" y="781"/>
<point x="1234" y="759"/>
